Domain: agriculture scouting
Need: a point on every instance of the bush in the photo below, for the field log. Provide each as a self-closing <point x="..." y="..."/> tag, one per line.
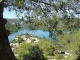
<point x="35" y="53"/>
<point x="47" y="47"/>
<point x="29" y="52"/>
<point x="59" y="57"/>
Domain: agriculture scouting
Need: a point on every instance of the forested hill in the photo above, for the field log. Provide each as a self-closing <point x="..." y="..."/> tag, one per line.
<point x="12" y="24"/>
<point x="13" y="20"/>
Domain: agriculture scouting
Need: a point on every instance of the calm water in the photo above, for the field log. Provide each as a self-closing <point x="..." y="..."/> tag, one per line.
<point x="39" y="33"/>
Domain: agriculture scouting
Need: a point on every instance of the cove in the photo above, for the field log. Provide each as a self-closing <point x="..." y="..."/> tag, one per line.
<point x="38" y="33"/>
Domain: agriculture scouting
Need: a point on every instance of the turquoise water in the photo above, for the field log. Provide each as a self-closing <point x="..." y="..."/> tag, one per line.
<point x="39" y="33"/>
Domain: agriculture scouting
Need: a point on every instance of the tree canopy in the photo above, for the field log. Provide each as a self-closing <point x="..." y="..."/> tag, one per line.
<point x="40" y="8"/>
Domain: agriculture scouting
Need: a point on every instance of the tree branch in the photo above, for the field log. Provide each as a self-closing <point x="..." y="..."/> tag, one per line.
<point x="43" y="2"/>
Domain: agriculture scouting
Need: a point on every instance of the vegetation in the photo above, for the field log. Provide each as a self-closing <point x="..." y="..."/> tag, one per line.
<point x="41" y="8"/>
<point x="37" y="50"/>
<point x="30" y="52"/>
<point x="70" y="43"/>
<point x="11" y="27"/>
<point x="44" y="49"/>
<point x="54" y="24"/>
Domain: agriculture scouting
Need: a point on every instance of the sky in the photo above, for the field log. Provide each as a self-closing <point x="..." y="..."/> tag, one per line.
<point x="7" y="14"/>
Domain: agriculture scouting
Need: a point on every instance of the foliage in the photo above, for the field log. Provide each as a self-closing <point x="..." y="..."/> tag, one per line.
<point x="70" y="42"/>
<point x="35" y="53"/>
<point x="20" y="40"/>
<point x="78" y="58"/>
<point x="22" y="50"/>
<point x="11" y="28"/>
<point x="54" y="24"/>
<point x="47" y="47"/>
<point x="64" y="20"/>
<point x="35" y="50"/>
<point x="37" y="11"/>
<point x="59" y="57"/>
<point x="45" y="7"/>
<point x="32" y="26"/>
<point x="28" y="51"/>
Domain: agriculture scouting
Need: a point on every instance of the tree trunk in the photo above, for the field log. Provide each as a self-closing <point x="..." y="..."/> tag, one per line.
<point x="5" y="49"/>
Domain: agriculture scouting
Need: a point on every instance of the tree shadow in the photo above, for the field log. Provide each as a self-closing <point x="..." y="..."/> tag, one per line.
<point x="35" y="53"/>
<point x="78" y="58"/>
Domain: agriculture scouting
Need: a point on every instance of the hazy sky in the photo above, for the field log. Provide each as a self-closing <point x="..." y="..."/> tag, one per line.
<point x="8" y="14"/>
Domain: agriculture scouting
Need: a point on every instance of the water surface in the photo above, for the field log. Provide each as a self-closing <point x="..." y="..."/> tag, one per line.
<point x="39" y="33"/>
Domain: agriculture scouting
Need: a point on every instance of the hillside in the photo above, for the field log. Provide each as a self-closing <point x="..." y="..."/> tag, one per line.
<point x="12" y="20"/>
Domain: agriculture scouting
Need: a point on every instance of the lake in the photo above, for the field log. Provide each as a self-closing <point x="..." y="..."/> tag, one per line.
<point x="38" y="33"/>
